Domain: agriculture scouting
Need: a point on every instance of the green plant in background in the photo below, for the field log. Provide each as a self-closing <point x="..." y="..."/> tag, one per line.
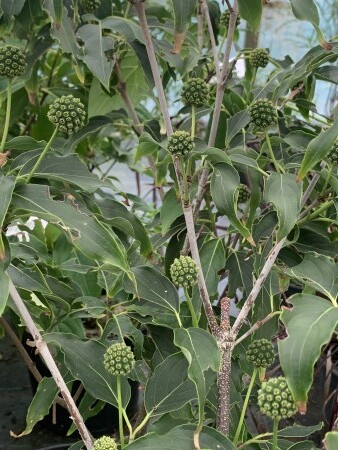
<point x="151" y="195"/>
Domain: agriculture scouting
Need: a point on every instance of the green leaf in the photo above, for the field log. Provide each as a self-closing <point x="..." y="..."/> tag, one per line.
<point x="235" y="124"/>
<point x="146" y="146"/>
<point x="181" y="438"/>
<point x="183" y="12"/>
<point x="318" y="148"/>
<point x="7" y="185"/>
<point x="251" y="11"/>
<point x="25" y="143"/>
<point x="112" y="211"/>
<point x="169" y="389"/>
<point x="202" y="352"/>
<point x="84" y="359"/>
<point x="327" y="73"/>
<point x="319" y="272"/>
<point x="285" y="193"/>
<point x="224" y="183"/>
<point x="67" y="168"/>
<point x="309" y="326"/>
<point x="89" y="235"/>
<point x="4" y="289"/>
<point x="31" y="280"/>
<point x="300" y="430"/>
<point x="331" y="440"/>
<point x="42" y="401"/>
<point x="171" y="209"/>
<point x="158" y="293"/>
<point x="305" y="10"/>
<point x="95" y="49"/>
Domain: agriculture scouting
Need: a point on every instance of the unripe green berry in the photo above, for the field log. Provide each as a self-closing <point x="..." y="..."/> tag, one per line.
<point x="119" y="359"/>
<point x="195" y="92"/>
<point x="12" y="61"/>
<point x="275" y="399"/>
<point x="105" y="443"/>
<point x="184" y="272"/>
<point x="243" y="193"/>
<point x="333" y="153"/>
<point x="261" y="353"/>
<point x="180" y="143"/>
<point x="67" y="113"/>
<point x="89" y="6"/>
<point x="259" y="57"/>
<point x="263" y="113"/>
<point x="225" y="19"/>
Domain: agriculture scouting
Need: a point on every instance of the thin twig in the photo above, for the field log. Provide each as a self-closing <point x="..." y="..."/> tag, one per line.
<point x="256" y="326"/>
<point x="140" y="10"/>
<point x="200" y="30"/>
<point x="43" y="350"/>
<point x="310" y="188"/>
<point x="243" y="314"/>
<point x="205" y="12"/>
<point x="216" y="115"/>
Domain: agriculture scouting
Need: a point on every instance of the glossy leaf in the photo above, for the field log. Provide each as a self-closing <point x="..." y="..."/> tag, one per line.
<point x="224" y="183"/>
<point x="90" y="236"/>
<point x="84" y="359"/>
<point x="171" y="209"/>
<point x="202" y="352"/>
<point x="309" y="326"/>
<point x="331" y="440"/>
<point x="169" y="388"/>
<point x="235" y="124"/>
<point x="285" y="193"/>
<point x="182" y="15"/>
<point x="96" y="46"/>
<point x="7" y="185"/>
<point x="4" y="289"/>
<point x="251" y="11"/>
<point x="319" y="272"/>
<point x="67" y="168"/>
<point x="182" y="438"/>
<point x="299" y="430"/>
<point x="318" y="148"/>
<point x="40" y="405"/>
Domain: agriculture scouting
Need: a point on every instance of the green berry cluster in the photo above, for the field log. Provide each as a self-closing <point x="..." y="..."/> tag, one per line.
<point x="243" y="193"/>
<point x="259" y="57"/>
<point x="67" y="113"/>
<point x="89" y="6"/>
<point x="225" y="19"/>
<point x="184" y="271"/>
<point x="119" y="359"/>
<point x="180" y="143"/>
<point x="263" y="113"/>
<point x="195" y="92"/>
<point x="105" y="443"/>
<point x="261" y="353"/>
<point x="333" y="154"/>
<point x="12" y="61"/>
<point x="275" y="399"/>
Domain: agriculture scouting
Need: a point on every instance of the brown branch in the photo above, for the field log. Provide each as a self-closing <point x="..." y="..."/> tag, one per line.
<point x="140" y="10"/>
<point x="205" y="12"/>
<point x="216" y="115"/>
<point x="256" y="326"/>
<point x="43" y="350"/>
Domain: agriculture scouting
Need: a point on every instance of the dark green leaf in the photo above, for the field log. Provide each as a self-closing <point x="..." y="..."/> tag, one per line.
<point x="300" y="430"/>
<point x="235" y="124"/>
<point x="169" y="389"/>
<point x="224" y="183"/>
<point x="327" y="73"/>
<point x="4" y="289"/>
<point x="285" y="193"/>
<point x="309" y="326"/>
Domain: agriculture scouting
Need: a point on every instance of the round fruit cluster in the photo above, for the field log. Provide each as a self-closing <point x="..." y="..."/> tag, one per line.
<point x="89" y="6"/>
<point x="105" y="443"/>
<point x="259" y="57"/>
<point x="243" y="193"/>
<point x="225" y="19"/>
<point x="184" y="271"/>
<point x="180" y="143"/>
<point x="195" y="92"/>
<point x="67" y="113"/>
<point x="275" y="399"/>
<point x="263" y="113"/>
<point x="119" y="359"/>
<point x="333" y="154"/>
<point x="12" y="61"/>
<point x="261" y="353"/>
